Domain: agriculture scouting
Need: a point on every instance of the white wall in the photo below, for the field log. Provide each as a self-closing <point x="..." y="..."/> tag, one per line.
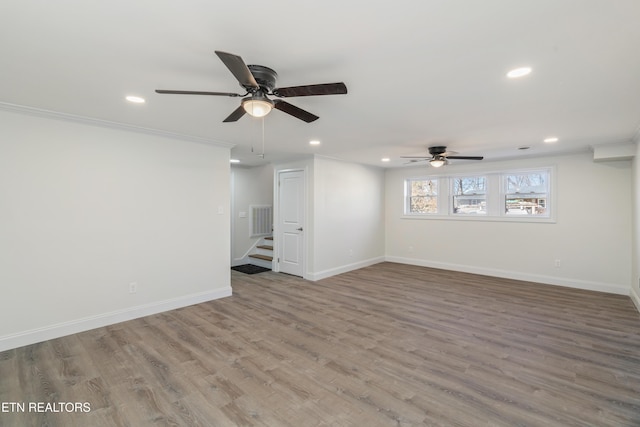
<point x="85" y="210"/>
<point x="348" y="212"/>
<point x="591" y="237"/>
<point x="344" y="215"/>
<point x="635" y="270"/>
<point x="250" y="186"/>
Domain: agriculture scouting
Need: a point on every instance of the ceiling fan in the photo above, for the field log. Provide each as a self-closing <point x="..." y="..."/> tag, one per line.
<point x="440" y="157"/>
<point x="259" y="81"/>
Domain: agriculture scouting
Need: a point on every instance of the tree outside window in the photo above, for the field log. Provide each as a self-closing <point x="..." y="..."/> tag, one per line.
<point x="422" y="196"/>
<point x="527" y="194"/>
<point x="470" y="195"/>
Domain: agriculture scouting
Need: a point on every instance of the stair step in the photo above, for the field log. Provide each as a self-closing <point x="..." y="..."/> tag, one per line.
<point x="268" y="238"/>
<point x="270" y="248"/>
<point x="264" y="257"/>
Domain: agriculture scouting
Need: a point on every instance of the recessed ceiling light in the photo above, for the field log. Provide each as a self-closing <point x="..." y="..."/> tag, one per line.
<point x="234" y="161"/>
<point x="550" y="139"/>
<point x="135" y="99"/>
<point x="314" y="142"/>
<point x="385" y="159"/>
<point x="519" y="72"/>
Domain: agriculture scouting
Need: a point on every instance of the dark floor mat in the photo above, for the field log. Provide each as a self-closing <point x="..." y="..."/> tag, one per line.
<point x="250" y="269"/>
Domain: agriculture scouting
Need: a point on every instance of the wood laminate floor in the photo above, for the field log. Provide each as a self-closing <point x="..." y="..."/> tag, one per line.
<point x="387" y="345"/>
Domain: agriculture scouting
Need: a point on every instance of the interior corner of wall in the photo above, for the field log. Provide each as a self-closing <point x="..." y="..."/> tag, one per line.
<point x="635" y="297"/>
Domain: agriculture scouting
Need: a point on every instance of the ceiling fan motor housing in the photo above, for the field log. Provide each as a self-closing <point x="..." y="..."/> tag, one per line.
<point x="265" y="77"/>
<point x="438" y="150"/>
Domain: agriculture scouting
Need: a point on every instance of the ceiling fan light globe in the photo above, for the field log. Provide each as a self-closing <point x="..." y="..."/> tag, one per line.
<point x="257" y="107"/>
<point x="436" y="163"/>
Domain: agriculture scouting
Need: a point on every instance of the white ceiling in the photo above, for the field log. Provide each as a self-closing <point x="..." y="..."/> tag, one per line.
<point x="418" y="73"/>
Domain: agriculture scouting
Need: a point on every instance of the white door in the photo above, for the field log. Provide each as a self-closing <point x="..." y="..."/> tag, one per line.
<point x="290" y="236"/>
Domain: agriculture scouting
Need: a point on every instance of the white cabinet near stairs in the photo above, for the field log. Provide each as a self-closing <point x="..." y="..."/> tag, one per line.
<point x="263" y="255"/>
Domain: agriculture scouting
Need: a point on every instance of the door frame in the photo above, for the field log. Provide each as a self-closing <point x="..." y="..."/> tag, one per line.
<point x="276" y="219"/>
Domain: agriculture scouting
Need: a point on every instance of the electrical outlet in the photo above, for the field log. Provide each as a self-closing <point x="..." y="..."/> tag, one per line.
<point x="556" y="263"/>
<point x="133" y="287"/>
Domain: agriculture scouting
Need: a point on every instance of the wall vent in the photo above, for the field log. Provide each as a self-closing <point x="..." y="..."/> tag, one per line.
<point x="261" y="217"/>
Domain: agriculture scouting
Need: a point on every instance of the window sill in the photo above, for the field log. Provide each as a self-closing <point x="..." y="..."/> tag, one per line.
<point x="485" y="218"/>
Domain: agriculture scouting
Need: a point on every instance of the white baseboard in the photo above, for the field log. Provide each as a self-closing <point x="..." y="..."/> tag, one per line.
<point x="635" y="298"/>
<point x="516" y="275"/>
<point x="239" y="261"/>
<point x="33" y="336"/>
<point x="343" y="269"/>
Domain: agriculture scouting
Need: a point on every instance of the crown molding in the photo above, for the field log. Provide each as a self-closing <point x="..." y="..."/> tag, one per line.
<point x="39" y="112"/>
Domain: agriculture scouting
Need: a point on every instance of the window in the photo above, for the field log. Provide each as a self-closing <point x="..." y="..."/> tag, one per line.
<point x="527" y="193"/>
<point x="421" y="196"/>
<point x="507" y="195"/>
<point x="469" y="195"/>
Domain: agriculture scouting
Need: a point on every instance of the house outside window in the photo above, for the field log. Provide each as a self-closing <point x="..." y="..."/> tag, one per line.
<point x="526" y="193"/>
<point x="469" y="195"/>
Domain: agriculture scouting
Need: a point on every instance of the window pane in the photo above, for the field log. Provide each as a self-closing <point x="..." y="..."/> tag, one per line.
<point x="423" y="196"/>
<point x="535" y="182"/>
<point x="469" y="195"/>
<point x="528" y="205"/>
<point x="527" y="194"/>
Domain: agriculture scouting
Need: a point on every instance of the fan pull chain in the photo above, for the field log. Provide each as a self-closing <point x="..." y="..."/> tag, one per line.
<point x="262" y="138"/>
<point x="252" y="149"/>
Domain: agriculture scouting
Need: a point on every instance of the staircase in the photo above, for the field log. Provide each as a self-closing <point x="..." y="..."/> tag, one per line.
<point x="264" y="253"/>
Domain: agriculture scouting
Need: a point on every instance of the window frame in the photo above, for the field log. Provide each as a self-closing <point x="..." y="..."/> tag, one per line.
<point x="504" y="193"/>
<point x="495" y="196"/>
<point x="408" y="196"/>
<point x="452" y="182"/>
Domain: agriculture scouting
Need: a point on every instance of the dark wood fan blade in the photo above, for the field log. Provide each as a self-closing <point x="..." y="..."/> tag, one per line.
<point x="235" y="116"/>
<point x="415" y="157"/>
<point x="296" y="112"/>
<point x="465" y="157"/>
<point x="311" y="90"/>
<point x="195" y="92"/>
<point x="238" y="68"/>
